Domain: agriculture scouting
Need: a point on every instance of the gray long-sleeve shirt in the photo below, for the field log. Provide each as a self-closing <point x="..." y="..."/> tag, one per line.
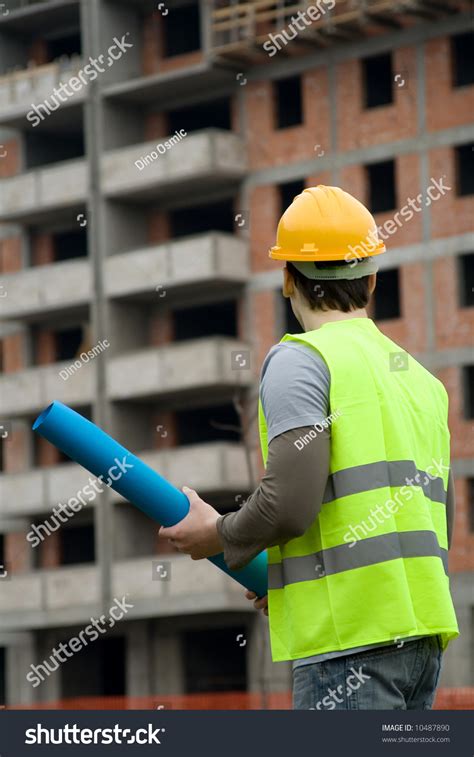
<point x="294" y="390"/>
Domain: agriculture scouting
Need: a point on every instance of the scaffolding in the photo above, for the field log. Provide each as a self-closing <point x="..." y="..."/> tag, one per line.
<point x="241" y="28"/>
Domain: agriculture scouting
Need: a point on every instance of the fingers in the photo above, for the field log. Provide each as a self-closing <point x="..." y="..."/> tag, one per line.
<point x="169" y="532"/>
<point x="190" y="493"/>
<point x="260" y="603"/>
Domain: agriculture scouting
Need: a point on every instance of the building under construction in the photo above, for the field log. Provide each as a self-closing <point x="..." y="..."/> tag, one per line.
<point x="146" y="153"/>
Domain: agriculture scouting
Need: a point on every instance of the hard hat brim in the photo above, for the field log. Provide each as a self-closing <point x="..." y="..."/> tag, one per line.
<point x="278" y="253"/>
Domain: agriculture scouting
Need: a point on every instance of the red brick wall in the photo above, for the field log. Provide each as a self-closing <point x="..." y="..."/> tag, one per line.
<point x="152" y="43"/>
<point x="46" y="454"/>
<point x="15" y="452"/>
<point x="450" y="215"/>
<point x="156" y="126"/>
<point x="42" y="249"/>
<point x="409" y="331"/>
<point x="267" y="145"/>
<point x="462" y="430"/>
<point x="263" y="316"/>
<point x="39" y="52"/>
<point x="18" y="553"/>
<point x="407" y="185"/>
<point x="454" y="325"/>
<point x="462" y="553"/>
<point x="264" y="215"/>
<point x="446" y="106"/>
<point x="10" y="162"/>
<point x="361" y="127"/>
<point x="462" y="446"/>
<point x="10" y="255"/>
<point x="45" y="347"/>
<point x="158" y="227"/>
<point x="161" y="328"/>
<point x="153" y="50"/>
<point x="14" y="353"/>
<point x="49" y="551"/>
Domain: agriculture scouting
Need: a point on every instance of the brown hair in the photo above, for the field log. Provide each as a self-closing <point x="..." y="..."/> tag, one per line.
<point x="339" y="294"/>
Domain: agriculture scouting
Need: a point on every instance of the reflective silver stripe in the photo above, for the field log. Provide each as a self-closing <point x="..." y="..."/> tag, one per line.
<point x="370" y="551"/>
<point x="363" y="478"/>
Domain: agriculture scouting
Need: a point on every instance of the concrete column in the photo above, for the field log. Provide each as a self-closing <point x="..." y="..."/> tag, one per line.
<point x="264" y="675"/>
<point x="168" y="669"/>
<point x="49" y="690"/>
<point x="138" y="674"/>
<point x="205" y="8"/>
<point x="93" y="46"/>
<point x="19" y="649"/>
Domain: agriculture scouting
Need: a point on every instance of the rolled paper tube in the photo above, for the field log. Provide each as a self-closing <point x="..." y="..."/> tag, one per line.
<point x="96" y="451"/>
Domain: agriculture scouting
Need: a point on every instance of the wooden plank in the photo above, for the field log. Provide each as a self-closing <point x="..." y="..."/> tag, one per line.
<point x="347" y="17"/>
<point x="383" y="12"/>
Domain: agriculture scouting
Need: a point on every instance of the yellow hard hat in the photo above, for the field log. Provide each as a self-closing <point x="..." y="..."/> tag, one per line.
<point x="323" y="224"/>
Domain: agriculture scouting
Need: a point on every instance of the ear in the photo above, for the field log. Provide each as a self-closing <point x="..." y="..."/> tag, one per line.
<point x="288" y="283"/>
<point x="372" y="282"/>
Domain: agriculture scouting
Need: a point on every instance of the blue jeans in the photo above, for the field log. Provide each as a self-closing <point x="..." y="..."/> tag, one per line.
<point x="402" y="677"/>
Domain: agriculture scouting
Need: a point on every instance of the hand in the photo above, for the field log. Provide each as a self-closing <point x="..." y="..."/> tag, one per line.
<point x="196" y="535"/>
<point x="260" y="603"/>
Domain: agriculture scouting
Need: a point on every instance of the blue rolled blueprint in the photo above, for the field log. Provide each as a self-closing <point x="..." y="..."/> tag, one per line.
<point x="88" y="445"/>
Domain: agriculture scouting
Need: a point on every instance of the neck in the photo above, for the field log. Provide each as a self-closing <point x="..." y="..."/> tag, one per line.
<point x="314" y="319"/>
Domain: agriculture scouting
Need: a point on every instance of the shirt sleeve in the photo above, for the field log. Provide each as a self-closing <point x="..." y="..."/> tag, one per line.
<point x="294" y="388"/>
<point x="286" y="502"/>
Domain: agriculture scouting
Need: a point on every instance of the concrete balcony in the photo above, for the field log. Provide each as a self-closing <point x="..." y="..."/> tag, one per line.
<point x="20" y="89"/>
<point x="201" y="160"/>
<point x="64" y="595"/>
<point x="38" y="490"/>
<point x="200" y="365"/>
<point x="31" y="390"/>
<point x="70" y="595"/>
<point x="40" y="15"/>
<point x="211" y="260"/>
<point x="172" y="84"/>
<point x="210" y="468"/>
<point x="41" y="193"/>
<point x="46" y="289"/>
<point x="193" y="587"/>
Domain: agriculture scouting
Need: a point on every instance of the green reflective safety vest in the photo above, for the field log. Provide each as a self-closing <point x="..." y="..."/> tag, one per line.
<point x="372" y="567"/>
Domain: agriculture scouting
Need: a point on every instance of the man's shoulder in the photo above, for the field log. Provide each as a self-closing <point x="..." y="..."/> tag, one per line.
<point x="293" y="356"/>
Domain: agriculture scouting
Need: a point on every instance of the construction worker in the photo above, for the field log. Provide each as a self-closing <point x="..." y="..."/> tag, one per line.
<point x="356" y="506"/>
